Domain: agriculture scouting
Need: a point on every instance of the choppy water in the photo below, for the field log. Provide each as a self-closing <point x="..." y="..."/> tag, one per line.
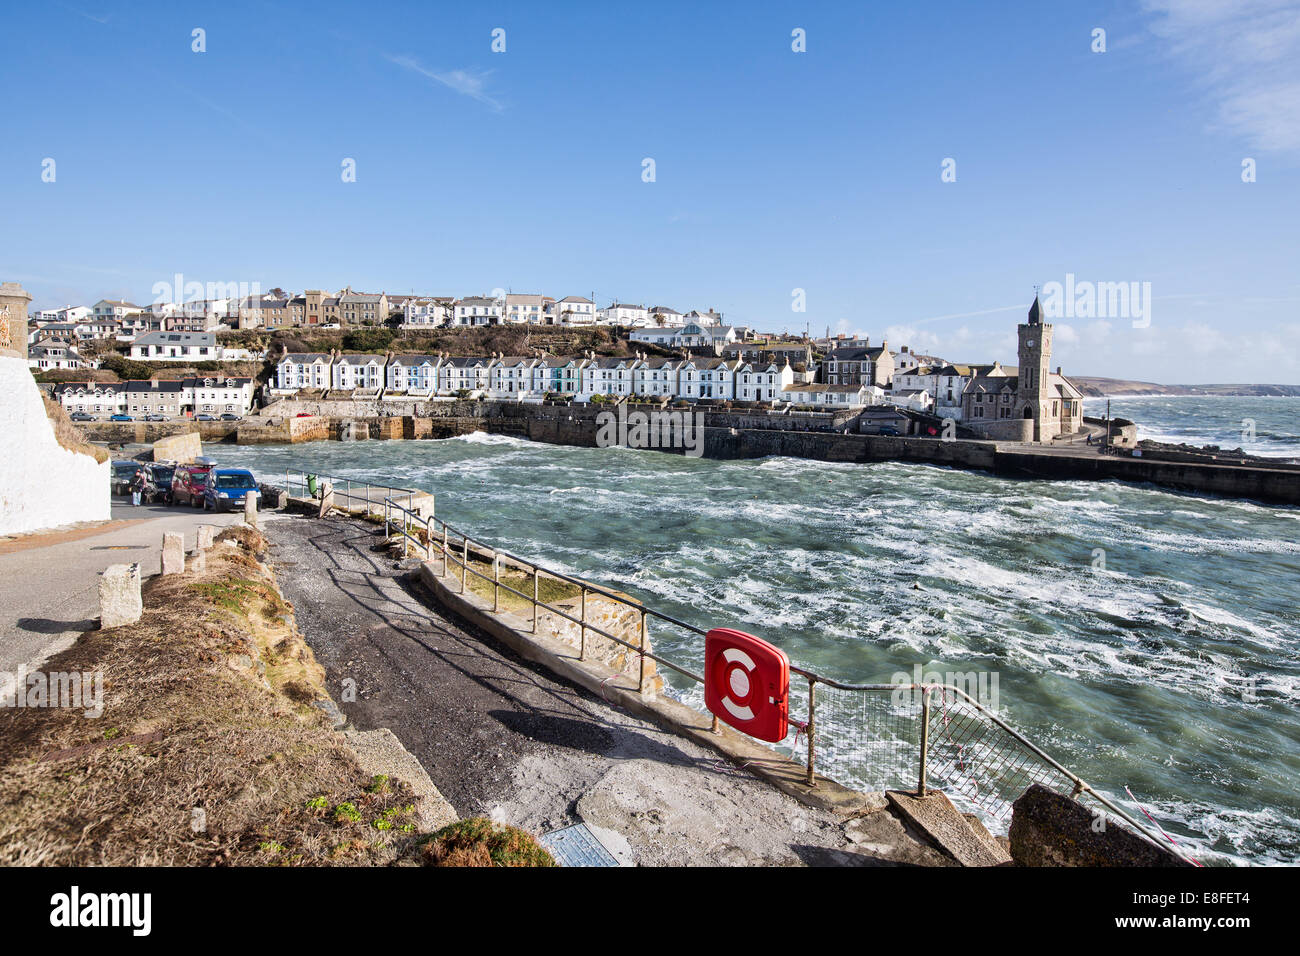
<point x="1132" y="675"/>
<point x="1259" y="426"/>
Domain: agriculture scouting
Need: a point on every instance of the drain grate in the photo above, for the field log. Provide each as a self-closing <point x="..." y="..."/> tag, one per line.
<point x="577" y="846"/>
<point x="119" y="547"/>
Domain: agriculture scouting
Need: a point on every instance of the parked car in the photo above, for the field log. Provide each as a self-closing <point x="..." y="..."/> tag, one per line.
<point x="119" y="417"/>
<point x="887" y="430"/>
<point x="123" y="472"/>
<point x="158" y="482"/>
<point x="188" y="482"/>
<point x="82" y="417"/>
<point x="204" y="417"/>
<point x="228" y="487"/>
<point x="230" y="417"/>
<point x="155" y="418"/>
<point x="303" y="415"/>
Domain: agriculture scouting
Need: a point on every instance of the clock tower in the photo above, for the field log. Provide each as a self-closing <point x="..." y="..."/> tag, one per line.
<point x="1033" y="397"/>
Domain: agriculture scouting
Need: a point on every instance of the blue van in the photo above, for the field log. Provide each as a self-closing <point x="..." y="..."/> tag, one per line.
<point x="227" y="488"/>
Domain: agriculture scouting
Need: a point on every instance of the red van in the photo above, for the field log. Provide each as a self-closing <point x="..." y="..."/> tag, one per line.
<point x="188" y="482"/>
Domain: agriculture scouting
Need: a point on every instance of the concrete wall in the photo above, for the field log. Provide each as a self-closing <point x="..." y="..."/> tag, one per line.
<point x="1002" y="429"/>
<point x="42" y="484"/>
<point x="183" y="448"/>
<point x="146" y="433"/>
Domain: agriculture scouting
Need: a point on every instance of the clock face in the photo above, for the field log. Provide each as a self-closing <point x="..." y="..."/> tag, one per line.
<point x="1030" y="343"/>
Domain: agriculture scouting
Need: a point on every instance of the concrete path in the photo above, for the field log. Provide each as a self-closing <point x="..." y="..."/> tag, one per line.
<point x="49" y="582"/>
<point x="502" y="737"/>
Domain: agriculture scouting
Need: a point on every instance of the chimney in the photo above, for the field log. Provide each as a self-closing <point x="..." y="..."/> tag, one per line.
<point x="1058" y="370"/>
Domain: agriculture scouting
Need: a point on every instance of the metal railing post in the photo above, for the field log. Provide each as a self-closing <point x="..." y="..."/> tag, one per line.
<point x="535" y="596"/>
<point x="496" y="582"/>
<point x="464" y="565"/>
<point x="812" y="732"/>
<point x="444" y="549"/>
<point x="641" y="679"/>
<point x="582" y="635"/>
<point x="925" y="738"/>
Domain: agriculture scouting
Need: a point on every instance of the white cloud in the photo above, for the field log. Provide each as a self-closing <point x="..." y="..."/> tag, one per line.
<point x="465" y="82"/>
<point x="1246" y="54"/>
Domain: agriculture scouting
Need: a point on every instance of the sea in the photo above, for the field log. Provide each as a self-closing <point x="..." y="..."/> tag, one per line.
<point x="1145" y="639"/>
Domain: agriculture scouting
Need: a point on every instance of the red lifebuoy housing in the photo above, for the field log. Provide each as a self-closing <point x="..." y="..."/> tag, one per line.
<point x="747" y="683"/>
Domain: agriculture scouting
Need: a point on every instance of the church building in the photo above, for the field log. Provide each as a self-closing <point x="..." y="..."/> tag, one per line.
<point x="1031" y="402"/>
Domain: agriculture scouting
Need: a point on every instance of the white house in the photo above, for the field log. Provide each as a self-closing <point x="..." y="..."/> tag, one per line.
<point x="477" y="310"/>
<point x="425" y="313"/>
<point x="528" y="309"/>
<point x="918" y="398"/>
<point x="618" y="313"/>
<point x="358" y="370"/>
<point x="607" y="376"/>
<point x="462" y="373"/>
<point x="561" y="376"/>
<point x="575" y="310"/>
<point x="712" y="378"/>
<point x="655" y="335"/>
<point x="662" y="315"/>
<point x="413" y="373"/>
<point x="762" y="381"/>
<point x="656" y="377"/>
<point x="827" y="396"/>
<point x="510" y="376"/>
<point x="176" y="347"/>
<point x="304" y="370"/>
<point x="217" y="396"/>
<point x="114" y="309"/>
<point x="51" y="354"/>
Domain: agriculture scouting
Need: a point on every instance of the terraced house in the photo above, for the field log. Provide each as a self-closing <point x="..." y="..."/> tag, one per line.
<point x="360" y="309"/>
<point x="762" y="381"/>
<point x="413" y="373"/>
<point x="467" y="373"/>
<point x="656" y="377"/>
<point x="712" y="378"/>
<point x="364" y="371"/>
<point x="297" y="370"/>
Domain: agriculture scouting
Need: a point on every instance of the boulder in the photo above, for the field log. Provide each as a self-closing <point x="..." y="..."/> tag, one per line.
<point x="1051" y="829"/>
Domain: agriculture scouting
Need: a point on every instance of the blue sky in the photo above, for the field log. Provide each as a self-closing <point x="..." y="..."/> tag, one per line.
<point x="774" y="170"/>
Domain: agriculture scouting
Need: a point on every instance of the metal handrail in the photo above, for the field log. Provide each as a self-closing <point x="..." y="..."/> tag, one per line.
<point x="927" y="690"/>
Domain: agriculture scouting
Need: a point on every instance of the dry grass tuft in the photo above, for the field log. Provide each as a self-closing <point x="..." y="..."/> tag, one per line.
<point x="69" y="435"/>
<point x="480" y="842"/>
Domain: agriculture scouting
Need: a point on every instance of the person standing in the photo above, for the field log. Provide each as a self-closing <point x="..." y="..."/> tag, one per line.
<point x="137" y="487"/>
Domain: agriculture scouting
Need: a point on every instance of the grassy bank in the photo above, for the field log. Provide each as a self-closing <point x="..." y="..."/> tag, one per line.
<point x="211" y="748"/>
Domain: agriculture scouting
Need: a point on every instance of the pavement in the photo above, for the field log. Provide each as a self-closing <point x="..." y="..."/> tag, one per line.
<point x="505" y="738"/>
<point x="49" y="582"/>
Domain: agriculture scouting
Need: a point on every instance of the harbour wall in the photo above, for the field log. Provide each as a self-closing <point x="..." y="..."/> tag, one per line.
<point x="728" y="435"/>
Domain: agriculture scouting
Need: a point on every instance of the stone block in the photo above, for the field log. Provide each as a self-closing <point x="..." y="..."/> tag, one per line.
<point x="173" y="553"/>
<point x="119" y="595"/>
<point x="1051" y="829"/>
<point x="250" y="509"/>
<point x="205" y="535"/>
<point x="199" y="561"/>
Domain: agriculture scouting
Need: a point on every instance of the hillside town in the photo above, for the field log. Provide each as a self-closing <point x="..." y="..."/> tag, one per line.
<point x="667" y="356"/>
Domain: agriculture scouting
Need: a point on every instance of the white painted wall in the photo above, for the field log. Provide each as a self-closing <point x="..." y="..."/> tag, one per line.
<point x="42" y="484"/>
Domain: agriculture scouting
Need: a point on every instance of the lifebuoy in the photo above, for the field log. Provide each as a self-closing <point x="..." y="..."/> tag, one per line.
<point x="747" y="683"/>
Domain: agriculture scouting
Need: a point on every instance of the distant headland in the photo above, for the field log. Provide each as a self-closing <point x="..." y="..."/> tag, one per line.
<point x="1096" y="387"/>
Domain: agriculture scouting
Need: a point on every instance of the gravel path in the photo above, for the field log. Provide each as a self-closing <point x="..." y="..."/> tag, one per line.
<point x="503" y="737"/>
